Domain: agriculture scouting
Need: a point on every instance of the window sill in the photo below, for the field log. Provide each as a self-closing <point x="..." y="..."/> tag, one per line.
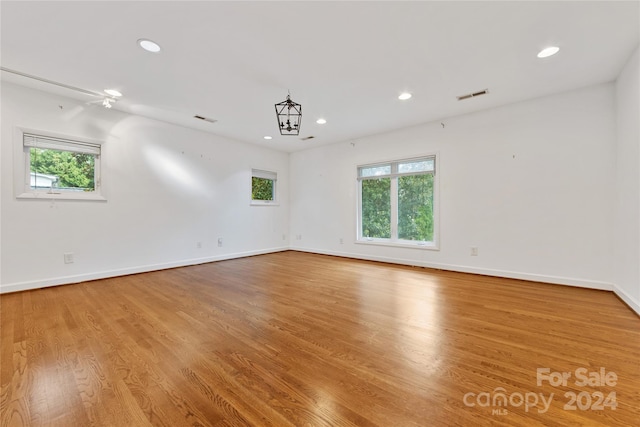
<point x="61" y="196"/>
<point x="264" y="203"/>
<point x="430" y="246"/>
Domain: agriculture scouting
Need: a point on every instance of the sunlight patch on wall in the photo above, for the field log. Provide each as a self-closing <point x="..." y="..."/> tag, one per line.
<point x="173" y="170"/>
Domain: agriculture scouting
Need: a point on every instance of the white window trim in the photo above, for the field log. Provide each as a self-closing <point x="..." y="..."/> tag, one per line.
<point x="22" y="169"/>
<point x="412" y="244"/>
<point x="266" y="174"/>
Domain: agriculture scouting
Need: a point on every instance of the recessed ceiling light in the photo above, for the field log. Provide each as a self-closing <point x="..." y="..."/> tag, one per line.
<point x="548" y="51"/>
<point x="404" y="96"/>
<point x="149" y="46"/>
<point x="321" y="121"/>
<point x="112" y="92"/>
<point x="267" y="137"/>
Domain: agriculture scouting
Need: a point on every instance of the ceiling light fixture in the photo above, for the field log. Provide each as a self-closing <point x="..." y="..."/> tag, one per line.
<point x="149" y="45"/>
<point x="112" y="92"/>
<point x="548" y="51"/>
<point x="289" y="115"/>
<point x="321" y="121"/>
<point x="267" y="137"/>
<point x="404" y="96"/>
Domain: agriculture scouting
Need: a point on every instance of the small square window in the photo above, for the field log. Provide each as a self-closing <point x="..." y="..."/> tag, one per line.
<point x="263" y="187"/>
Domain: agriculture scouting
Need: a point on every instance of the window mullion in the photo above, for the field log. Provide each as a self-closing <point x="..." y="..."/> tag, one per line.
<point x="394" y="202"/>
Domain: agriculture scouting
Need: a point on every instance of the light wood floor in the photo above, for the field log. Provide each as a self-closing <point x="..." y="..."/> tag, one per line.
<point x="295" y="339"/>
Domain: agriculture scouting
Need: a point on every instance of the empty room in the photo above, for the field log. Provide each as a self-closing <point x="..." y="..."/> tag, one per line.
<point x="319" y="213"/>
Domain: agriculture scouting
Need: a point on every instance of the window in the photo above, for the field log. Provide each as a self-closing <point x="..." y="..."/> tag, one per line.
<point x="397" y="203"/>
<point x="60" y="168"/>
<point x="263" y="187"/>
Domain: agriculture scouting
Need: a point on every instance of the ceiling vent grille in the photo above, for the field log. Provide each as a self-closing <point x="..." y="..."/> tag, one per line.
<point x="306" y="138"/>
<point x="206" y="119"/>
<point x="473" y="95"/>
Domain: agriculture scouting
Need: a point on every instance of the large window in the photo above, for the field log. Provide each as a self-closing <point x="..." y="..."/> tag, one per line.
<point x="397" y="203"/>
<point x="60" y="168"/>
<point x="263" y="187"/>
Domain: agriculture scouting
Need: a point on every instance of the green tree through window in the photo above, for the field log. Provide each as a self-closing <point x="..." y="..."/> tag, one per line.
<point x="261" y="189"/>
<point x="73" y="170"/>
<point x="415" y="207"/>
<point x="376" y="208"/>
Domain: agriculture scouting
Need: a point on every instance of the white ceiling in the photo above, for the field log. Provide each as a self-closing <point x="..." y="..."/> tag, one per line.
<point x="344" y="61"/>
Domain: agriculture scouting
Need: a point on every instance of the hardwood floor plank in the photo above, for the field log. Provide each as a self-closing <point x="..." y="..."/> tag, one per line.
<point x="296" y="339"/>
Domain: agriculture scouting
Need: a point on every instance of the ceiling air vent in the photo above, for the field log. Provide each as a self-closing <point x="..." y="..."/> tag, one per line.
<point x="473" y="95"/>
<point x="306" y="138"/>
<point x="206" y="119"/>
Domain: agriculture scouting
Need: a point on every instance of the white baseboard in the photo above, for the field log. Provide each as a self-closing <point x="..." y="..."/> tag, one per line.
<point x="556" y="280"/>
<point x="633" y="304"/>
<point x="65" y="280"/>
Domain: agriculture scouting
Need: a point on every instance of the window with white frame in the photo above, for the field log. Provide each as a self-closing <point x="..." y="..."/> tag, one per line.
<point x="397" y="203"/>
<point x="62" y="168"/>
<point x="263" y="187"/>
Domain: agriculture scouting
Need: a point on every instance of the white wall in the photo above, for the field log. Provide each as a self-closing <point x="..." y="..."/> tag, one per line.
<point x="168" y="187"/>
<point x="627" y="208"/>
<point x="529" y="184"/>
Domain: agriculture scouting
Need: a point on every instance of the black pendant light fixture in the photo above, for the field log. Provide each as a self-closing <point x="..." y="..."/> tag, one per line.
<point x="289" y="115"/>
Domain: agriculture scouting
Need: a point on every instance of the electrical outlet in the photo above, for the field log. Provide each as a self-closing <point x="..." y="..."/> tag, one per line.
<point x="68" y="258"/>
<point x="199" y="245"/>
<point x="219" y="242"/>
<point x="474" y="251"/>
<point x="284" y="237"/>
<point x="341" y="241"/>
